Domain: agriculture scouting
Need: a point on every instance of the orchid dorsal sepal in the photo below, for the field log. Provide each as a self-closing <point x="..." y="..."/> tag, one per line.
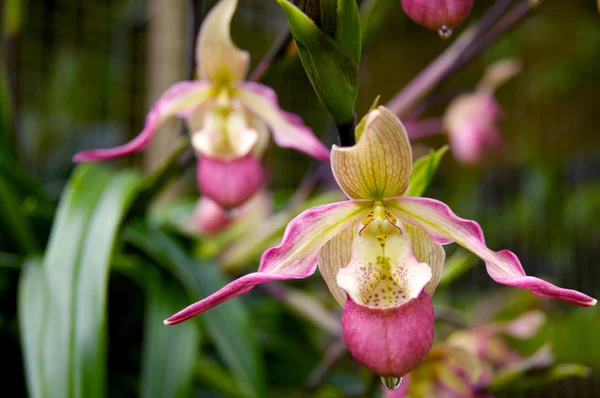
<point x="217" y="57"/>
<point x="380" y="163"/>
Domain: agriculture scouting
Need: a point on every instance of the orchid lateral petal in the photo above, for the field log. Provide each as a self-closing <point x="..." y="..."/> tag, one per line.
<point x="380" y="163"/>
<point x="306" y="234"/>
<point x="288" y="129"/>
<point x="180" y="98"/>
<point x="231" y="290"/>
<point x="429" y="252"/>
<point x="444" y="226"/>
<point x="218" y="59"/>
<point x="334" y="256"/>
<point x="383" y="273"/>
<point x="294" y="258"/>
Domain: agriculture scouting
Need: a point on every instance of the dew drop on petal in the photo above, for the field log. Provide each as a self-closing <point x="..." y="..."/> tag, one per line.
<point x="391" y="383"/>
<point x="445" y="32"/>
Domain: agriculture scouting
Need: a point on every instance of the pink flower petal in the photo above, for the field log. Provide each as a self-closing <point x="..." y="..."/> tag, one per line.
<point x="389" y="341"/>
<point x="230" y="183"/>
<point x="288" y="129"/>
<point x="209" y="218"/>
<point x="181" y="97"/>
<point x="294" y="258"/>
<point x="504" y="267"/>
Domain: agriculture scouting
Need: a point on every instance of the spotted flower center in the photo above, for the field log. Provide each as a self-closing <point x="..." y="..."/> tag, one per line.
<point x="383" y="270"/>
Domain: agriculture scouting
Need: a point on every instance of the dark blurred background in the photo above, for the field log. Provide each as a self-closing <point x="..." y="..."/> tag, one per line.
<point x="86" y="71"/>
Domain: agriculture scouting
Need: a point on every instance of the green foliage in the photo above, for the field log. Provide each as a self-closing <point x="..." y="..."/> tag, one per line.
<point x="331" y="61"/>
<point x="360" y="127"/>
<point x="457" y="265"/>
<point x="14" y="218"/>
<point x="62" y="303"/>
<point x="423" y="171"/>
<point x="228" y="325"/>
<point x="169" y="354"/>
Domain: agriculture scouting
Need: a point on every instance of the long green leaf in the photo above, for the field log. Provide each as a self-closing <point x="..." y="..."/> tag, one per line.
<point x="169" y="356"/>
<point x="332" y="72"/>
<point x="72" y="284"/>
<point x="32" y="318"/>
<point x="227" y="324"/>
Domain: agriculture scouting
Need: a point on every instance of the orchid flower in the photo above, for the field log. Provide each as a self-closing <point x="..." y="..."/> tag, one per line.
<point x="471" y="119"/>
<point x="380" y="252"/>
<point x="229" y="119"/>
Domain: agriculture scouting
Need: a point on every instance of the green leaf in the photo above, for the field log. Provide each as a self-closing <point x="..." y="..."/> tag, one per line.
<point x="332" y="70"/>
<point x="70" y="289"/>
<point x="360" y="127"/>
<point x="14" y="220"/>
<point x="423" y="171"/>
<point x="347" y="29"/>
<point x="456" y="265"/>
<point x="524" y="379"/>
<point x="214" y="376"/>
<point x="32" y="318"/>
<point x="372" y="18"/>
<point x="227" y="324"/>
<point x="169" y="354"/>
<point x="14" y="174"/>
<point x="6" y="140"/>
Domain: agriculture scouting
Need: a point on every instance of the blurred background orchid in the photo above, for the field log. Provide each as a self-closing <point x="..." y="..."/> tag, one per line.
<point x="499" y="102"/>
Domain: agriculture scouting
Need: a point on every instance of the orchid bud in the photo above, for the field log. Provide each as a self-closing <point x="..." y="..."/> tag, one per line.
<point x="327" y="33"/>
<point x="230" y="183"/>
<point x="440" y="15"/>
<point x="209" y="218"/>
<point x="389" y="341"/>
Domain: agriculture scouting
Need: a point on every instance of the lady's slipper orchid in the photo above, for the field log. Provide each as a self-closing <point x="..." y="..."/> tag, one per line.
<point x="229" y="119"/>
<point x="471" y="119"/>
<point x="380" y="253"/>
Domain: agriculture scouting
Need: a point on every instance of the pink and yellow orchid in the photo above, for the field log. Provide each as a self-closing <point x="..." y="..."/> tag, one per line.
<point x="380" y="252"/>
<point x="229" y="118"/>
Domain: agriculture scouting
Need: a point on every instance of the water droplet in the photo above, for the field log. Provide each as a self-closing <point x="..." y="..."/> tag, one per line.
<point x="445" y="32"/>
<point x="391" y="383"/>
<point x="232" y="212"/>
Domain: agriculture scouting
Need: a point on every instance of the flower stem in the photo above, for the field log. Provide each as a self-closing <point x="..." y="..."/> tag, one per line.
<point x="346" y="132"/>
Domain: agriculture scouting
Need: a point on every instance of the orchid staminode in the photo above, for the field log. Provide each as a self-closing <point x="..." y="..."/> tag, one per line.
<point x="380" y="252"/>
<point x="229" y="118"/>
